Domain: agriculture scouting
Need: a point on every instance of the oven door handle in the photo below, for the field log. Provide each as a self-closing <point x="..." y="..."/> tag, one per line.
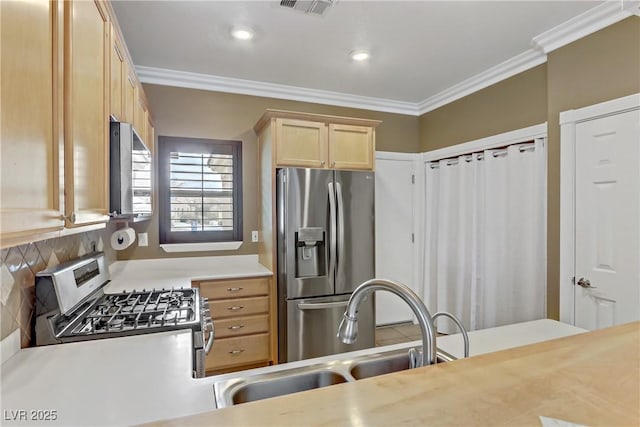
<point x="208" y="325"/>
<point x="210" y="338"/>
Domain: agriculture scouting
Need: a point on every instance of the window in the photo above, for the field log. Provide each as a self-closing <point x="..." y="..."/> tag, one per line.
<point x="200" y="183"/>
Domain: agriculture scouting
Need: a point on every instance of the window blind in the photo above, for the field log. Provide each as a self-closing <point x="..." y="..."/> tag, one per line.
<point x="201" y="192"/>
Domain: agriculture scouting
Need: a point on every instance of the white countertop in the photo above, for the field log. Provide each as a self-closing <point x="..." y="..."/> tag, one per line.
<point x="144" y="378"/>
<point x="504" y="337"/>
<point x="117" y="381"/>
<point x="178" y="272"/>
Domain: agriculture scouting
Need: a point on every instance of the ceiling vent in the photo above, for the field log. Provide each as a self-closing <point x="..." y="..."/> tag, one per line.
<point x="314" y="7"/>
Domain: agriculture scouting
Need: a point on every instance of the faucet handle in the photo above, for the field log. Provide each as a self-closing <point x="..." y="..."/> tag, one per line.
<point x="415" y="358"/>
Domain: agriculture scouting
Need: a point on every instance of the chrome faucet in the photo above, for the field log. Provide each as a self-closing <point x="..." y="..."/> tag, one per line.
<point x="348" y="329"/>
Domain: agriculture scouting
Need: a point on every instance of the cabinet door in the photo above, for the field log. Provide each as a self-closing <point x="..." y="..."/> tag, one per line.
<point x="301" y="143"/>
<point x="140" y="117"/>
<point x="86" y="112"/>
<point x="118" y="76"/>
<point x="151" y="135"/>
<point x="236" y="351"/>
<point x="129" y="95"/>
<point x="351" y="147"/>
<point x="29" y="118"/>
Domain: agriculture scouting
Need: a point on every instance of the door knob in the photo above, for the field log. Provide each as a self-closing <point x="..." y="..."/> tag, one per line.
<point x="585" y="283"/>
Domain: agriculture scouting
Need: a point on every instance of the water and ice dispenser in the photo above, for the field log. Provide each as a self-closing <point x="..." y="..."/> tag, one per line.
<point x="310" y="252"/>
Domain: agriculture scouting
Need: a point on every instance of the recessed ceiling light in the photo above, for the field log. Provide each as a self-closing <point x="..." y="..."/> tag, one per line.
<point x="242" y="33"/>
<point x="360" y="55"/>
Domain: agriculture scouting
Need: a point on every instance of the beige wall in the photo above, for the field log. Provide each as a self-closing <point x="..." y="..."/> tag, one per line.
<point x="203" y="114"/>
<point x="600" y="67"/>
<point x="515" y="103"/>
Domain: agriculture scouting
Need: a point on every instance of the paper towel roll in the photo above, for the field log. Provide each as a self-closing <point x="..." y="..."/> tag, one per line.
<point x="123" y="238"/>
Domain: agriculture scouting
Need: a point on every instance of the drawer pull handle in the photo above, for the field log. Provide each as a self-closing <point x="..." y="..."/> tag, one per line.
<point x="234" y="289"/>
<point x="235" y="307"/>
<point x="236" y="351"/>
<point x="234" y="327"/>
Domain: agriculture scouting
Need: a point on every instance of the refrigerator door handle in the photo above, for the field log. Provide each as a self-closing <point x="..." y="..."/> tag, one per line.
<point x="340" y="224"/>
<point x="322" y="305"/>
<point x="332" y="233"/>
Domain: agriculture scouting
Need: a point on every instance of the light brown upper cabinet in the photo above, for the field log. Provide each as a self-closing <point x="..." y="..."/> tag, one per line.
<point x="319" y="141"/>
<point x="30" y="70"/>
<point x="60" y="81"/>
<point x="140" y="119"/>
<point x="151" y="135"/>
<point x="118" y="76"/>
<point x="351" y="147"/>
<point x="301" y="143"/>
<point x="129" y="94"/>
<point x="86" y="118"/>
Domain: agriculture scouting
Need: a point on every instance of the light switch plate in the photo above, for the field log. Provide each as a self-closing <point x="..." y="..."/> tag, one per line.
<point x="143" y="239"/>
<point x="254" y="236"/>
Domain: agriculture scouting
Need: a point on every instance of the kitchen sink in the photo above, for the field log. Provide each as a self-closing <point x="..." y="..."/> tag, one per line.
<point x="263" y="389"/>
<point x="385" y="365"/>
<point x="248" y="386"/>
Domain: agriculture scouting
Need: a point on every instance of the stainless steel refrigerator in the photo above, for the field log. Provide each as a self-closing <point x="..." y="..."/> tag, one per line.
<point x="325" y="234"/>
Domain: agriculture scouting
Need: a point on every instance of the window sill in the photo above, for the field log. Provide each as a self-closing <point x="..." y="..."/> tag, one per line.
<point x="200" y="247"/>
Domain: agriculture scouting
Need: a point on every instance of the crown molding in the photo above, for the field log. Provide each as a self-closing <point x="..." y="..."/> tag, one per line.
<point x="166" y="77"/>
<point x="586" y="23"/>
<point x="502" y="71"/>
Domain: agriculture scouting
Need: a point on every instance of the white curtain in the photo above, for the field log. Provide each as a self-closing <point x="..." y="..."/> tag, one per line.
<point x="485" y="240"/>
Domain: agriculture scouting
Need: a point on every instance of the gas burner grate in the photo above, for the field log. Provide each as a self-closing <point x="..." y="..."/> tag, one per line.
<point x="139" y="311"/>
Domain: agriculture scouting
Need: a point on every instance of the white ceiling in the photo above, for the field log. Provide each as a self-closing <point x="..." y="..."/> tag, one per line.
<point x="419" y="48"/>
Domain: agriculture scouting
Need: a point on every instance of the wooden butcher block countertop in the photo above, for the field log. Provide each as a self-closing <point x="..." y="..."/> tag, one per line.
<point x="591" y="379"/>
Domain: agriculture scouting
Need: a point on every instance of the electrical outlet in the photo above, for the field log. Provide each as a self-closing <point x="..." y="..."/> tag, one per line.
<point x="254" y="236"/>
<point x="143" y="239"/>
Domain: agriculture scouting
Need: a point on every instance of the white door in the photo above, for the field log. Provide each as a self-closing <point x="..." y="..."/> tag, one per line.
<point x="394" y="239"/>
<point x="607" y="234"/>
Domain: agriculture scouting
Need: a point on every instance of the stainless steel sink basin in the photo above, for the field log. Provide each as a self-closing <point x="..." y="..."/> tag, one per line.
<point x="385" y="365"/>
<point x="288" y="384"/>
<point x="248" y="386"/>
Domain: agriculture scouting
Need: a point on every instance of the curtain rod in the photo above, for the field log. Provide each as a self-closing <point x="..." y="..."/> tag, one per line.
<point x="496" y="152"/>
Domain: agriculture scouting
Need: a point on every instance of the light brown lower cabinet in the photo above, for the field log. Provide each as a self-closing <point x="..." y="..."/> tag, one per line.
<point x="237" y="351"/>
<point x="238" y="326"/>
<point x="242" y="312"/>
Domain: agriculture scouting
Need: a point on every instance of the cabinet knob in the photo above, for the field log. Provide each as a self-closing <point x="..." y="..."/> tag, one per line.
<point x="235" y="327"/>
<point x="322" y="162"/>
<point x="236" y="351"/>
<point x="333" y="163"/>
<point x="235" y="307"/>
<point x="234" y="289"/>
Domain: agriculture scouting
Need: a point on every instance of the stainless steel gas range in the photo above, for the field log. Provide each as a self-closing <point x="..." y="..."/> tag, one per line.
<point x="72" y="306"/>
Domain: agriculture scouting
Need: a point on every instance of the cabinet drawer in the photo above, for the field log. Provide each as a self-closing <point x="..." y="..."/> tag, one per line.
<point x="241" y="326"/>
<point x="238" y="307"/>
<point x="234" y="288"/>
<point x="238" y="351"/>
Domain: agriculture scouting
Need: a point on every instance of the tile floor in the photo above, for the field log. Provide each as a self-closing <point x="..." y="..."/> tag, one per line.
<point x="394" y="334"/>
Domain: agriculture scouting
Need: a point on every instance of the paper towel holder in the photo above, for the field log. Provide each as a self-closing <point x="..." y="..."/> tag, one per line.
<point x="118" y="239"/>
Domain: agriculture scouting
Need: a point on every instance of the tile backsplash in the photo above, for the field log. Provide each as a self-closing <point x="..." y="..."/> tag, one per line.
<point x="19" y="264"/>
